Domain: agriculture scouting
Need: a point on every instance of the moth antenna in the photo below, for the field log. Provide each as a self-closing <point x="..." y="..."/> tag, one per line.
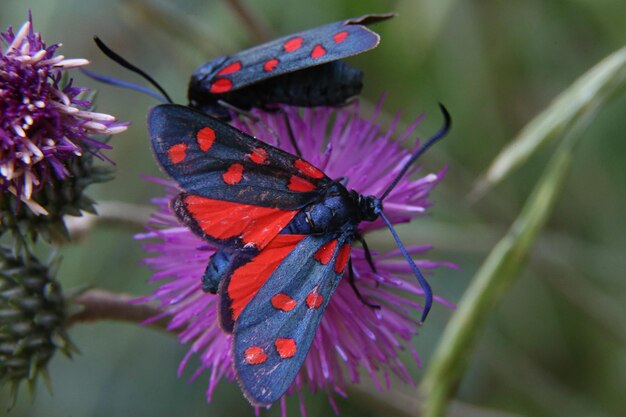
<point x="114" y="56"/>
<point x="123" y="84"/>
<point x="428" y="293"/>
<point x="447" y="122"/>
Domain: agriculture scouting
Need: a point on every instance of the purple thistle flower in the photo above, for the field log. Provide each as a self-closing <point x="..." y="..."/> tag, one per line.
<point x="45" y="121"/>
<point x="351" y="336"/>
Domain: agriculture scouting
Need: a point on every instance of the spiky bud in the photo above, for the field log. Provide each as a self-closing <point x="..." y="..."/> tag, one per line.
<point x="32" y="319"/>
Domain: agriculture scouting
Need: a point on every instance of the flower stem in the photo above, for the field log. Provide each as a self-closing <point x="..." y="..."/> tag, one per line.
<point x="109" y="212"/>
<point x="98" y="305"/>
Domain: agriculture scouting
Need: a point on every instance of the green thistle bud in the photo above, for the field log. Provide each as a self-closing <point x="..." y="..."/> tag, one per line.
<point x="32" y="319"/>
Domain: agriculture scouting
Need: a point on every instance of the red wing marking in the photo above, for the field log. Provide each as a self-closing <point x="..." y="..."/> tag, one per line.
<point x="205" y="138"/>
<point x="286" y="348"/>
<point x="342" y="258"/>
<point x="177" y="153"/>
<point x="246" y="281"/>
<point x="221" y="85"/>
<point x="326" y="252"/>
<point x="233" y="175"/>
<point x="318" y="52"/>
<point x="308" y="169"/>
<point x="300" y="184"/>
<point x="258" y="156"/>
<point x="340" y="36"/>
<point x="293" y="44"/>
<point x="230" y="68"/>
<point x="254" y="355"/>
<point x="223" y="220"/>
<point x="270" y="65"/>
<point x="314" y="300"/>
<point x="283" y="302"/>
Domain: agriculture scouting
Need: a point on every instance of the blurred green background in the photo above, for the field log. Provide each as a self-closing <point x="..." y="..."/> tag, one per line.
<point x="555" y="346"/>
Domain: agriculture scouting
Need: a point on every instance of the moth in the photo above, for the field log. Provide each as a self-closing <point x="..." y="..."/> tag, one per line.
<point x="284" y="232"/>
<point x="302" y="69"/>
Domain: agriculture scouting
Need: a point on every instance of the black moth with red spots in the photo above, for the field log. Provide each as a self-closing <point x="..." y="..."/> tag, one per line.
<point x="300" y="69"/>
<point x="284" y="232"/>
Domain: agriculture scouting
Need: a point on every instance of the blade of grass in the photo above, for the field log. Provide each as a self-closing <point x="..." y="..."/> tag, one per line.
<point x="604" y="309"/>
<point x="399" y="404"/>
<point x="491" y="281"/>
<point x="584" y="98"/>
<point x="256" y="26"/>
<point x="528" y="379"/>
<point x="169" y="19"/>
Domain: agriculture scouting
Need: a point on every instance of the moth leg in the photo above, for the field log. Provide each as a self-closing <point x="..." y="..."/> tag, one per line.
<point x="356" y="290"/>
<point x="368" y="254"/>
<point x="238" y="110"/>
<point x="255" y="119"/>
<point x="292" y="137"/>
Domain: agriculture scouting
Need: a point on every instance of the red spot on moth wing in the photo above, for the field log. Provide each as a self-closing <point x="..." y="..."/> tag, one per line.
<point x="233" y="175"/>
<point x="286" y="348"/>
<point x="340" y="36"/>
<point x="293" y="44"/>
<point x="308" y="169"/>
<point x="283" y="302"/>
<point x="223" y="220"/>
<point x="314" y="300"/>
<point x="318" y="52"/>
<point x="221" y="85"/>
<point x="258" y="155"/>
<point x="270" y="65"/>
<point x="246" y="280"/>
<point x="300" y="184"/>
<point x="177" y="153"/>
<point x="230" y="68"/>
<point x="205" y="138"/>
<point x="326" y="252"/>
<point x="342" y="258"/>
<point x="254" y="355"/>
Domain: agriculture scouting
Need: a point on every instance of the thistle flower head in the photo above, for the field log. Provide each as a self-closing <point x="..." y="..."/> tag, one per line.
<point x="352" y="339"/>
<point x="45" y="120"/>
